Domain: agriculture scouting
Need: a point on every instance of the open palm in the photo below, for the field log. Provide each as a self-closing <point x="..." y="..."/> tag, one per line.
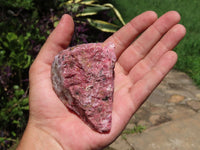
<point x="142" y="61"/>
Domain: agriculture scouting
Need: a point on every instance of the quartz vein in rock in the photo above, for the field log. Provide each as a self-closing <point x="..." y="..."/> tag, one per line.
<point x="83" y="78"/>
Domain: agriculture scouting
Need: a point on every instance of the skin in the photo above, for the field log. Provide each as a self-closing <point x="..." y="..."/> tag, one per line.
<point x="142" y="62"/>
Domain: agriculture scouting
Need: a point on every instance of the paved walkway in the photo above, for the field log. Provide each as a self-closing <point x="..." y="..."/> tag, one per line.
<point x="171" y="116"/>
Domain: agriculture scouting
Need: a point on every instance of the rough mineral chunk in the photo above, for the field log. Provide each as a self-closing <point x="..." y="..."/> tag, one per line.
<point x="83" y="78"/>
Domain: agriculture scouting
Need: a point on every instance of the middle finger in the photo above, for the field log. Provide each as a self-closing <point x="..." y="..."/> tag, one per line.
<point x="141" y="47"/>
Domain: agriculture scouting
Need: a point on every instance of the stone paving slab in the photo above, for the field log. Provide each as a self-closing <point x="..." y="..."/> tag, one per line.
<point x="120" y="144"/>
<point x="175" y="135"/>
<point x="171" y="117"/>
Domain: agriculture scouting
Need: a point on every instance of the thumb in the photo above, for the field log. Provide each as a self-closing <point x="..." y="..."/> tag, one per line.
<point x="58" y="40"/>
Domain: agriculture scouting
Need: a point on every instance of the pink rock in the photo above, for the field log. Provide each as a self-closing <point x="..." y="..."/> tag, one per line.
<point x="83" y="78"/>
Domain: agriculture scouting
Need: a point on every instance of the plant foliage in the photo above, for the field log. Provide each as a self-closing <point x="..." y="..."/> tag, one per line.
<point x="24" y="27"/>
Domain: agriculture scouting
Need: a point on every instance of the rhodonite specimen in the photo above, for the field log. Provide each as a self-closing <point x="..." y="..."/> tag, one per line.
<point x="83" y="78"/>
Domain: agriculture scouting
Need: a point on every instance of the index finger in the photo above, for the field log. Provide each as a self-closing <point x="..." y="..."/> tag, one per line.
<point x="128" y="33"/>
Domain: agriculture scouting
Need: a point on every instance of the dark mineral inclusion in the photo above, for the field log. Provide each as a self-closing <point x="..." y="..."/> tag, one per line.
<point x="83" y="78"/>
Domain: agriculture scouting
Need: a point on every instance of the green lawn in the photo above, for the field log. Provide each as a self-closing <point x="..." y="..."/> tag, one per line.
<point x="189" y="48"/>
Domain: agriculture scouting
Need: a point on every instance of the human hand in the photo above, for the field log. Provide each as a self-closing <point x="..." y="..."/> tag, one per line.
<point x="142" y="62"/>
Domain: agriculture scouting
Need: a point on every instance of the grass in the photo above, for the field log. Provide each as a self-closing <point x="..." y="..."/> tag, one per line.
<point x="136" y="129"/>
<point x="188" y="49"/>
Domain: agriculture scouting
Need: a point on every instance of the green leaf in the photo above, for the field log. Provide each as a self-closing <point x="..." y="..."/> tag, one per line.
<point x="92" y="9"/>
<point x="25" y="107"/>
<point x="25" y="101"/>
<point x="87" y="2"/>
<point x="117" y="13"/>
<point x="16" y="87"/>
<point x="103" y="25"/>
<point x="2" y="139"/>
<point x="73" y="1"/>
<point x="2" y="54"/>
<point x="28" y="35"/>
<point x="73" y="7"/>
<point x="11" y="36"/>
<point x="13" y="133"/>
<point x="19" y="93"/>
<point x="28" y="62"/>
<point x="16" y="122"/>
<point x="5" y="44"/>
<point x="35" y="14"/>
<point x="12" y="55"/>
<point x="55" y="23"/>
<point x="21" y="40"/>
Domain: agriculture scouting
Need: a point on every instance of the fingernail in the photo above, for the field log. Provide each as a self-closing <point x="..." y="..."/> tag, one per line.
<point x="62" y="18"/>
<point x="59" y="21"/>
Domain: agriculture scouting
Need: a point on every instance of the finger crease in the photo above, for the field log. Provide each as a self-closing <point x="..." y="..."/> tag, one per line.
<point x="117" y="40"/>
<point x="133" y="27"/>
<point x="138" y="49"/>
<point x="159" y="31"/>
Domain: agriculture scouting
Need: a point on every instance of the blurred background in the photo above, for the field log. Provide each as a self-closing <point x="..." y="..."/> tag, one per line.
<point x="25" y="25"/>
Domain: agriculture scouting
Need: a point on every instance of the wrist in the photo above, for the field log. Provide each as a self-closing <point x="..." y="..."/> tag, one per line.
<point x="35" y="139"/>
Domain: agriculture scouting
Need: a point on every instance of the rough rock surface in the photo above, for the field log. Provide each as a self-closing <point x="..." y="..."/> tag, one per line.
<point x="83" y="78"/>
